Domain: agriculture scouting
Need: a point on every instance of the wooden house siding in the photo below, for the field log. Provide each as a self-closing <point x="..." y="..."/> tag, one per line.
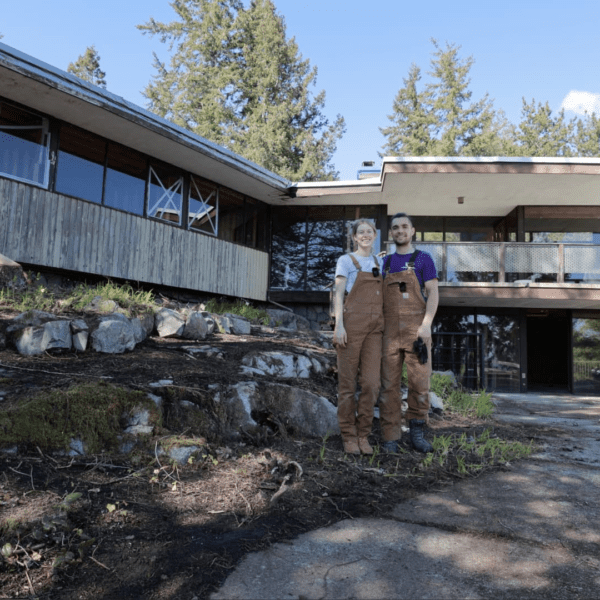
<point x="51" y="230"/>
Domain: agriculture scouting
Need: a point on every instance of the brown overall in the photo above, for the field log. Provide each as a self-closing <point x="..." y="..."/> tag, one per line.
<point x="363" y="321"/>
<point x="403" y="313"/>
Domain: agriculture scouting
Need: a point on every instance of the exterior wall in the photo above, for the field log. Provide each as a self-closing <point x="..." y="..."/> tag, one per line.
<point x="51" y="230"/>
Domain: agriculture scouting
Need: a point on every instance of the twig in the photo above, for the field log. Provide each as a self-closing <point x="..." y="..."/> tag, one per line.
<point x="25" y="474"/>
<point x="280" y="491"/>
<point x="99" y="563"/>
<point x="53" y="372"/>
<point x="338" y="508"/>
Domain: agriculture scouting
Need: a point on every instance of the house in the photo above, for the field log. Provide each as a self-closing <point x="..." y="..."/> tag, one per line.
<point x="91" y="183"/>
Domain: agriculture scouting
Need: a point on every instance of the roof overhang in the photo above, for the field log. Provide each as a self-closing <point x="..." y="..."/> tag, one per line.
<point x="40" y="86"/>
<point x="490" y="186"/>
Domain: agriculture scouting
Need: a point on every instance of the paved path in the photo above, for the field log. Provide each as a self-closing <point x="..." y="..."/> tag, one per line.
<point x="530" y="532"/>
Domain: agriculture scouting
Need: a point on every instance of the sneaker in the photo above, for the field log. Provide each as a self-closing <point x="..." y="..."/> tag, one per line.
<point x="390" y="447"/>
<point x="364" y="446"/>
<point x="351" y="446"/>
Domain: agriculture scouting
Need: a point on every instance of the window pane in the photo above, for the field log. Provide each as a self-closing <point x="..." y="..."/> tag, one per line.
<point x="231" y="216"/>
<point x="255" y="215"/>
<point x="586" y="356"/>
<point x="501" y="351"/>
<point x="203" y="205"/>
<point x="165" y="193"/>
<point x="23" y="144"/>
<point x="125" y="179"/>
<point x="80" y="167"/>
<point x="288" y="261"/>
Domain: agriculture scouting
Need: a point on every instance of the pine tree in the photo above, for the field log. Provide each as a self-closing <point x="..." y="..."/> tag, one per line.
<point x="587" y="136"/>
<point x="540" y="133"/>
<point x="87" y="67"/>
<point x="236" y="79"/>
<point x="441" y="120"/>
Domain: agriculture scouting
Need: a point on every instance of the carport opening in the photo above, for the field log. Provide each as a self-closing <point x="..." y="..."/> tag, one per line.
<point x="548" y="352"/>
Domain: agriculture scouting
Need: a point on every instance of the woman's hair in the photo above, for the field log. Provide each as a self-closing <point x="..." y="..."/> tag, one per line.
<point x="400" y="215"/>
<point x="355" y="225"/>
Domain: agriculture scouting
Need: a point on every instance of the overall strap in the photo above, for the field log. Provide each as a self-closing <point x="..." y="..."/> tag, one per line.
<point x="386" y="265"/>
<point x="356" y="263"/>
<point x="411" y="261"/>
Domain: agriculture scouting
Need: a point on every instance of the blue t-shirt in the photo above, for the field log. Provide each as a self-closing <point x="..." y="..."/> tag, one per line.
<point x="424" y="266"/>
<point x="345" y="267"/>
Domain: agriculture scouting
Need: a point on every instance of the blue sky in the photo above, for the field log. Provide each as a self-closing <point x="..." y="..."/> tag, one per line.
<point x="542" y="49"/>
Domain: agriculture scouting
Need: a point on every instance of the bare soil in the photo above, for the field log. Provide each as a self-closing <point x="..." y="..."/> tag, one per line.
<point x="146" y="530"/>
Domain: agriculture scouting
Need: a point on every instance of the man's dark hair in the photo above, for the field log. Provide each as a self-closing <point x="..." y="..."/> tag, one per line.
<point x="399" y="216"/>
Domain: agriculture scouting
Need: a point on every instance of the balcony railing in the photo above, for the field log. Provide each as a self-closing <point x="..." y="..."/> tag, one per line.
<point x="509" y="262"/>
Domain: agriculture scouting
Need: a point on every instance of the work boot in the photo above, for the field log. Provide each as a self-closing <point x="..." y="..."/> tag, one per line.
<point x="364" y="446"/>
<point x="417" y="440"/>
<point x="391" y="447"/>
<point x="351" y="446"/>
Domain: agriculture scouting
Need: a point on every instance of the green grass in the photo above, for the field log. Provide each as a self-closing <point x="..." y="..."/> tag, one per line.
<point x="91" y="412"/>
<point x="38" y="297"/>
<point x="478" y="404"/>
<point x="238" y="308"/>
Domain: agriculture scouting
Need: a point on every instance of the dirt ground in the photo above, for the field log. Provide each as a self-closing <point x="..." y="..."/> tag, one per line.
<point x="146" y="530"/>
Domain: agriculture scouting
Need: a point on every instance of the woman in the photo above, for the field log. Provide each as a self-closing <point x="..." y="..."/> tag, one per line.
<point x="358" y="336"/>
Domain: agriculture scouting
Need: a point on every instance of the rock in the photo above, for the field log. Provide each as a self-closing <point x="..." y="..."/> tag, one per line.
<point x="208" y="351"/>
<point x="169" y="323"/>
<point x="80" y="340"/>
<point x="223" y="323"/>
<point x="147" y="321"/>
<point x="435" y="401"/>
<point x="11" y="274"/>
<point x="196" y="327"/>
<point x="139" y="333"/>
<point x="2" y="341"/>
<point x="102" y="305"/>
<point x="114" y="335"/>
<point x="29" y="341"/>
<point x="182" y="454"/>
<point x="282" y="364"/>
<point x="288" y="320"/>
<point x="31" y="318"/>
<point x="297" y="409"/>
<point x="161" y="383"/>
<point x="57" y="334"/>
<point x="239" y="325"/>
<point x="210" y="322"/>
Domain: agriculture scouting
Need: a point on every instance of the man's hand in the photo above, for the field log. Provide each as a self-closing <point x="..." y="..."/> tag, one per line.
<point x="339" y="336"/>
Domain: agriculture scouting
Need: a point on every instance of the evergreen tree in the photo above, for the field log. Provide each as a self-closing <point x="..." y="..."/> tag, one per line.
<point x="441" y="120"/>
<point x="235" y="79"/>
<point x="587" y="136"/>
<point x="87" y="67"/>
<point x="540" y="133"/>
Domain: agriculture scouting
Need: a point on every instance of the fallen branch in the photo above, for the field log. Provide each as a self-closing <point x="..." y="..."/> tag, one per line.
<point x="280" y="491"/>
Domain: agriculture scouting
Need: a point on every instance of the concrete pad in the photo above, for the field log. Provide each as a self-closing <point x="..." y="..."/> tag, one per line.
<point x="543" y="503"/>
<point x="375" y="559"/>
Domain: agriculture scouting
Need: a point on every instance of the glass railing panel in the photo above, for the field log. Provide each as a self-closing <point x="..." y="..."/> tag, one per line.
<point x="532" y="262"/>
<point x="473" y="262"/>
<point x="582" y="263"/>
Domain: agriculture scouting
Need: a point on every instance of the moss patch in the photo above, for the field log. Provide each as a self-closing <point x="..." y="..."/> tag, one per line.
<point x="93" y="412"/>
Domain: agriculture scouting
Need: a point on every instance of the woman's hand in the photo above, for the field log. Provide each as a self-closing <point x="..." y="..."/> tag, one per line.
<point x="339" y="336"/>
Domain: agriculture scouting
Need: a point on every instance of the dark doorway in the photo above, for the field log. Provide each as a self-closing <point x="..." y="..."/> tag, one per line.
<point x="548" y="342"/>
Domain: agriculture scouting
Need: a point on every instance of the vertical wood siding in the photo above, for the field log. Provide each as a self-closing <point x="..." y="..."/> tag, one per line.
<point x="51" y="230"/>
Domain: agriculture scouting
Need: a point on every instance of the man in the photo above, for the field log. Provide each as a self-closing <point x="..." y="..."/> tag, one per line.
<point x="408" y="317"/>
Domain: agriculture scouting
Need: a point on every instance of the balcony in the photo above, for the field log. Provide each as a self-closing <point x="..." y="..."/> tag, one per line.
<point x="532" y="275"/>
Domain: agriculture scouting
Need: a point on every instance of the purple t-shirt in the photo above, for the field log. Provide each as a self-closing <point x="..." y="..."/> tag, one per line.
<point x="424" y="265"/>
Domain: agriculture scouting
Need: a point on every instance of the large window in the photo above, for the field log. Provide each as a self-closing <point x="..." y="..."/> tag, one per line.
<point x="586" y="356"/>
<point x="165" y="193"/>
<point x="203" y="206"/>
<point x="125" y="179"/>
<point x="24" y="142"/>
<point x="80" y="168"/>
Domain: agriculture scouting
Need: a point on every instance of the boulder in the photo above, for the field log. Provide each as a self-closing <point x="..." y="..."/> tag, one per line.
<point x="210" y="322"/>
<point x="102" y="305"/>
<point x="147" y="321"/>
<point x="80" y="334"/>
<point x="287" y="320"/>
<point x="196" y="327"/>
<point x="57" y="334"/>
<point x="139" y="333"/>
<point x="31" y="318"/>
<point x="169" y="323"/>
<point x="11" y="274"/>
<point x="114" y="335"/>
<point x="29" y="341"/>
<point x="300" y="411"/>
<point x="223" y="323"/>
<point x="238" y="325"/>
<point x="285" y="365"/>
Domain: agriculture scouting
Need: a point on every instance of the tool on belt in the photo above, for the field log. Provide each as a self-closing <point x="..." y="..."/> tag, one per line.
<point x="420" y="349"/>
